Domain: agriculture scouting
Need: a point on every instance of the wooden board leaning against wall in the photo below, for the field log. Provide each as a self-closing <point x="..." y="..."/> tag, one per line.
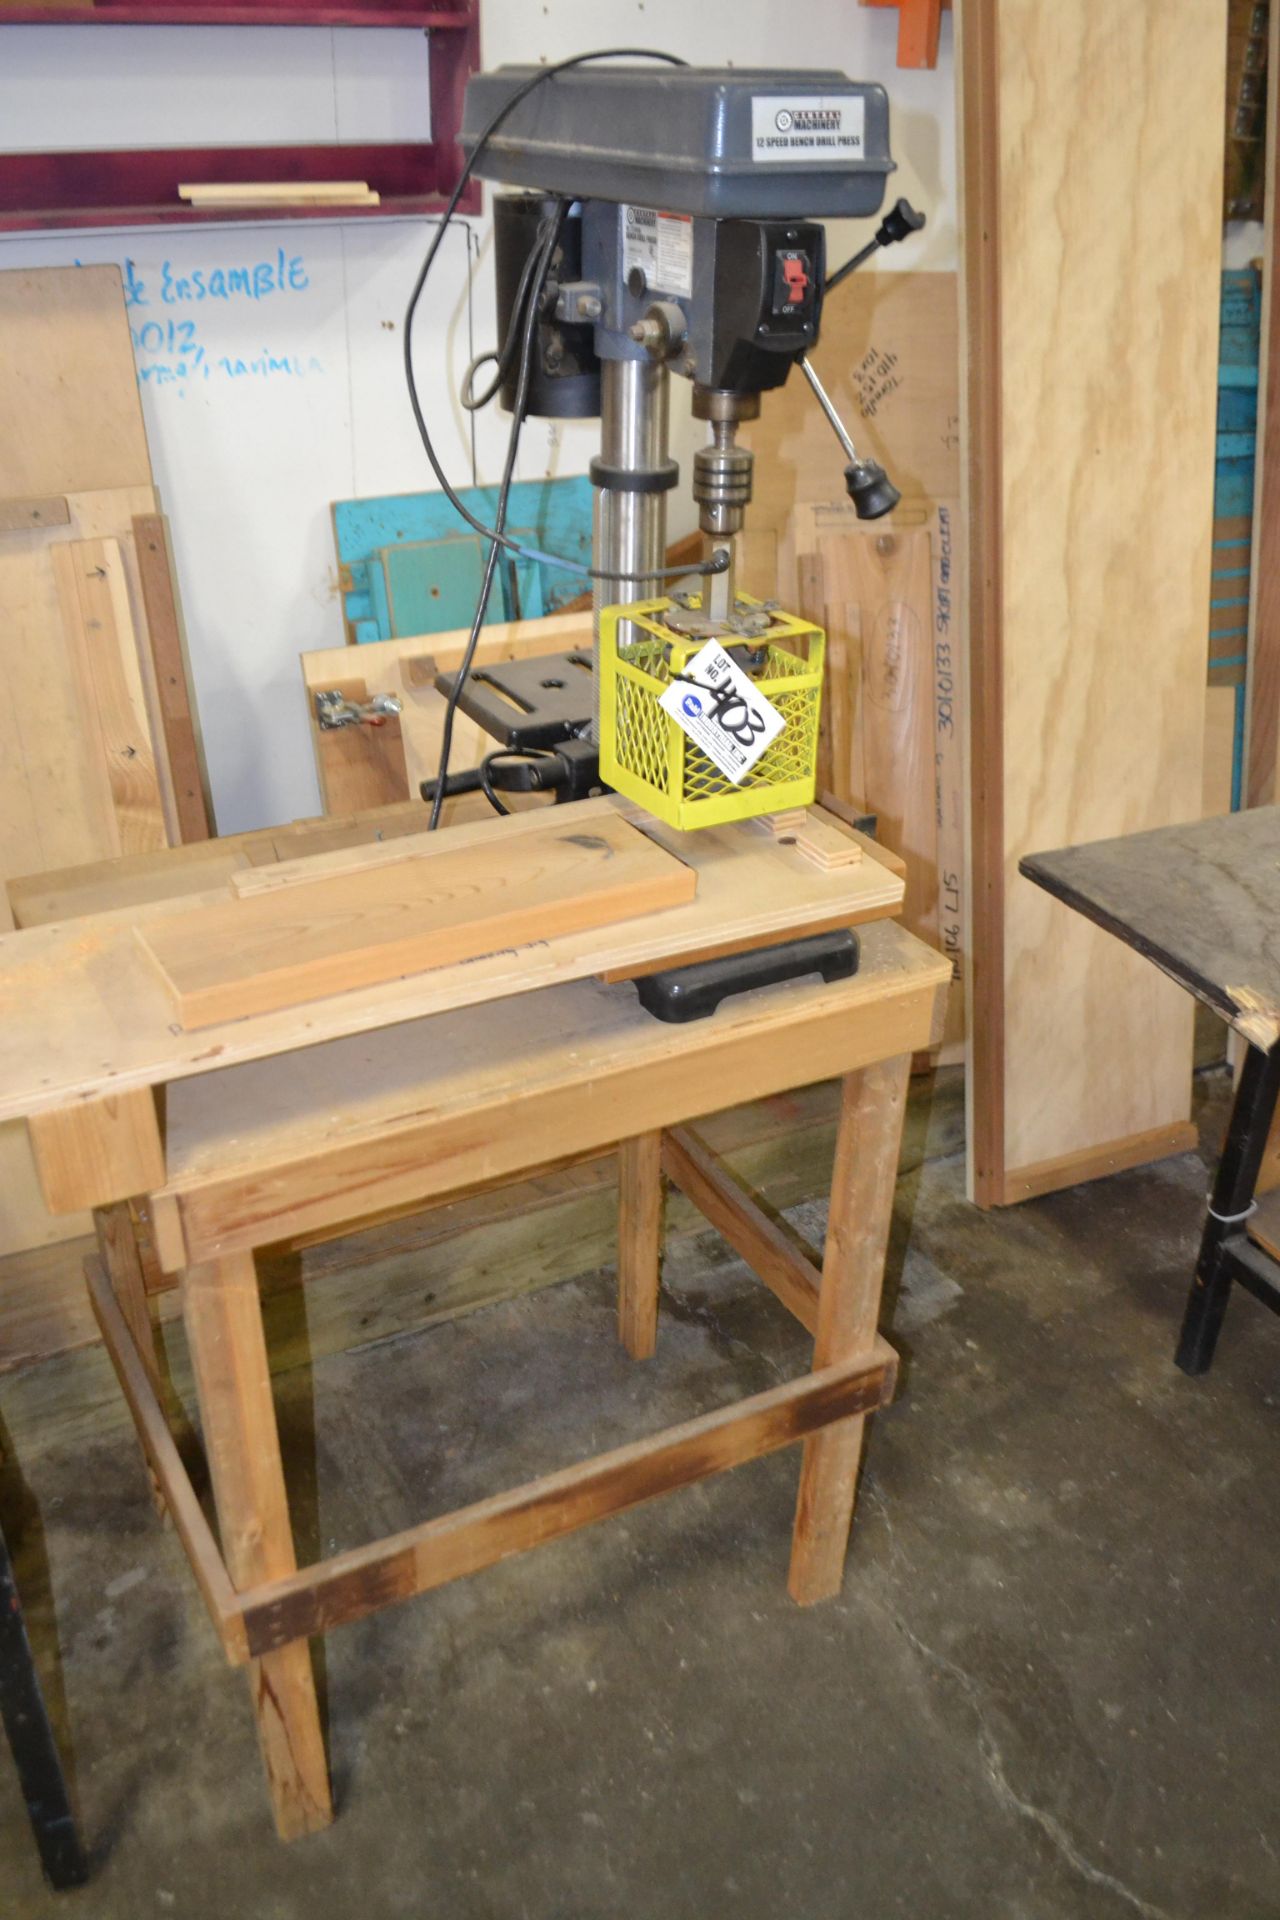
<point x="98" y="751"/>
<point x="1090" y="439"/>
<point x="888" y="592"/>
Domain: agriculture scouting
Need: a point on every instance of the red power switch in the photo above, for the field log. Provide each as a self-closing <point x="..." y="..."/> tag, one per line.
<point x="792" y="285"/>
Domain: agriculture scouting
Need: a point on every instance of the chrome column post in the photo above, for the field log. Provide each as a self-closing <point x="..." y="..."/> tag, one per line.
<point x="631" y="522"/>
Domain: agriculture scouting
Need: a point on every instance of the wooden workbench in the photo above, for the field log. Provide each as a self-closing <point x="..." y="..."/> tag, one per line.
<point x="300" y="1123"/>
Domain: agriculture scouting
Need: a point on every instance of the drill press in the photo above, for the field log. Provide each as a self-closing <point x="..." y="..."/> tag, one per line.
<point x="685" y="203"/>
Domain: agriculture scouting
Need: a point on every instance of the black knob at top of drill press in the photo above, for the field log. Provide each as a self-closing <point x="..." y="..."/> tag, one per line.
<point x="899" y="223"/>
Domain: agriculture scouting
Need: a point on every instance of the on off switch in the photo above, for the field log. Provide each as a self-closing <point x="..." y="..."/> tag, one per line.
<point x="792" y="282"/>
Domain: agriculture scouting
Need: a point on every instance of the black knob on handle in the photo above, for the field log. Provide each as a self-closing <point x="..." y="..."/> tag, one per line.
<point x="871" y="490"/>
<point x="899" y="223"/>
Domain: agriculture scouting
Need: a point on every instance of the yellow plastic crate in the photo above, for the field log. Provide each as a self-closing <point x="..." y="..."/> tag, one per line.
<point x="645" y="755"/>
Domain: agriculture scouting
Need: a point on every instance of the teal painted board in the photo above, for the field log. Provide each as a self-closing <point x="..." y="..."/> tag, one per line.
<point x="1233" y="489"/>
<point x="1238" y="343"/>
<point x="432" y="586"/>
<point x="1240" y="317"/>
<point x="554" y="516"/>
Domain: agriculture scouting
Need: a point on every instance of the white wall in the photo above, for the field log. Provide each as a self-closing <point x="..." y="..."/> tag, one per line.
<point x="262" y="410"/>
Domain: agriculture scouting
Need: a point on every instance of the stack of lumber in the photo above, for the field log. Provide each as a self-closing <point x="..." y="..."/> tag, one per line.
<point x="98" y="751"/>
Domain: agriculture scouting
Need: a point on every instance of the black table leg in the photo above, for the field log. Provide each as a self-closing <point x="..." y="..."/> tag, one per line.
<point x="1237" y="1175"/>
<point x="26" y="1722"/>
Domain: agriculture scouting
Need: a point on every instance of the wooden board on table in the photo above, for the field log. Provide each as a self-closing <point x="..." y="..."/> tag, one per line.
<point x="1087" y="593"/>
<point x="95" y="1015"/>
<point x="168" y="874"/>
<point x="375" y="914"/>
<point x="70" y="414"/>
<point x="363" y="767"/>
<point x="102" y="886"/>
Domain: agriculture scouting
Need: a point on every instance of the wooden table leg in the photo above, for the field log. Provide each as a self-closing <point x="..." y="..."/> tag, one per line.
<point x="118" y="1246"/>
<point x="872" y="1105"/>
<point x="122" y="1260"/>
<point x="223" y="1315"/>
<point x="639" y="1242"/>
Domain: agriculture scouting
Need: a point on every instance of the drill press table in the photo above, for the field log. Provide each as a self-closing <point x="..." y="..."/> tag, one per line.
<point x="365" y="1116"/>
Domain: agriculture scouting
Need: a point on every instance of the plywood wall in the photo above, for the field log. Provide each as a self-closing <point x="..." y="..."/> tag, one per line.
<point x="1092" y="170"/>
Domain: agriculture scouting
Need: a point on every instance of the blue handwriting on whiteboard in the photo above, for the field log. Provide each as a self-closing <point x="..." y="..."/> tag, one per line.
<point x="170" y="353"/>
<point x="255" y="280"/>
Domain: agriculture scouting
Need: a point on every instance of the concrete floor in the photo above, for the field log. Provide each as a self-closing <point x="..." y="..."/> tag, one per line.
<point x="1048" y="1690"/>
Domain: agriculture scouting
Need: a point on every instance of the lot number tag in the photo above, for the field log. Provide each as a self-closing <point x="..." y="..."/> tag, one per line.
<point x="723" y="712"/>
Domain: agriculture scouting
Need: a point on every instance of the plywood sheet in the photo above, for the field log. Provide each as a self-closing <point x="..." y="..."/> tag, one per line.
<point x="1091" y="355"/>
<point x="70" y="415"/>
<point x="383" y="912"/>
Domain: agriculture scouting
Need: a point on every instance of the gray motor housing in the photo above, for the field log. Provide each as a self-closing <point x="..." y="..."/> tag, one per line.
<point x="734" y="143"/>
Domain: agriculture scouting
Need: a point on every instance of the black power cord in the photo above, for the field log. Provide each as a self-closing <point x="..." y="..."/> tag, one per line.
<point x="544" y="247"/>
<point x="497" y="534"/>
<point x="530" y="756"/>
<point x="504" y="358"/>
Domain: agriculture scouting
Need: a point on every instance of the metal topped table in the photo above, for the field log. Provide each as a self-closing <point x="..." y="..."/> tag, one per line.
<point x="1202" y="902"/>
